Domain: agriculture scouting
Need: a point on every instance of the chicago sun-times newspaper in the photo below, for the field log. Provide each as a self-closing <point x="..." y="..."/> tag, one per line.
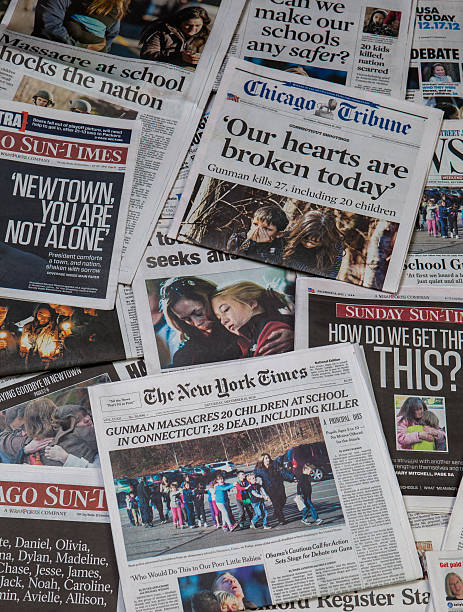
<point x="168" y="85"/>
<point x="62" y="223"/>
<point x="285" y="156"/>
<point x="259" y="428"/>
<point x="355" y="43"/>
<point x="412" y="346"/>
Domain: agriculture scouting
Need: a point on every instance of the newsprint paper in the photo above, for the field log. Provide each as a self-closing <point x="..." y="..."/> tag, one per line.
<point x="445" y="569"/>
<point x="354" y="42"/>
<point x="66" y="185"/>
<point x="56" y="551"/>
<point x="289" y="416"/>
<point x="283" y="158"/>
<point x="454" y="534"/>
<point x="412" y="345"/>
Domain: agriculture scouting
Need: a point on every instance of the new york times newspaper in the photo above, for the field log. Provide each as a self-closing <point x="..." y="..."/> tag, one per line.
<point x="268" y="443"/>
<point x="356" y="43"/>
<point x="435" y="76"/>
<point x="286" y="165"/>
<point x="412" y="345"/>
<point x="162" y="59"/>
<point x="56" y="551"/>
<point x="66" y="185"/>
<point x="36" y="336"/>
<point x="182" y="294"/>
<point x="436" y="249"/>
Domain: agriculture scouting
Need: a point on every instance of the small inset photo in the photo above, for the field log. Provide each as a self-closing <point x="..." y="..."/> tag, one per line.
<point x="453" y="587"/>
<point x="382" y="22"/>
<point x="242" y="588"/>
<point x="420" y="423"/>
<point x="422" y="547"/>
<point x="440" y="72"/>
<point x="451" y="106"/>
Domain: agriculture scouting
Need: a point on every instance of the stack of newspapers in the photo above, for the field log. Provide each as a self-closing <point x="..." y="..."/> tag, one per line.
<point x="231" y="305"/>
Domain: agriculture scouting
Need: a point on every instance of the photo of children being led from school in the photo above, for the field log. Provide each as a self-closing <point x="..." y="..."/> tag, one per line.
<point x="225" y="489"/>
<point x="284" y="231"/>
<point x="240" y="588"/>
<point x="36" y="337"/>
<point x="55" y="429"/>
<point x="420" y="423"/>
<point x="216" y="317"/>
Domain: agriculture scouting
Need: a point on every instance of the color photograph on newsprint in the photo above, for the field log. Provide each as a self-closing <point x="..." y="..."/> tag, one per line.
<point x="269" y="468"/>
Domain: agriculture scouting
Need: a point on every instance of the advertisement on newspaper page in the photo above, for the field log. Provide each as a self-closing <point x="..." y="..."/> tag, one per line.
<point x="445" y="569"/>
<point x="436" y="250"/>
<point x="282" y="169"/>
<point x="272" y="480"/>
<point x="354" y="42"/>
<point x="435" y="73"/>
<point x="185" y="298"/>
<point x="38" y="336"/>
<point x="46" y="419"/>
<point x="56" y="548"/>
<point x="66" y="182"/>
<point x="163" y="60"/>
<point x="412" y="345"/>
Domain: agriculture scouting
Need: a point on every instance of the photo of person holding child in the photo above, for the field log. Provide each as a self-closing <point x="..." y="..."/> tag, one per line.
<point x="196" y="321"/>
<point x="418" y="427"/>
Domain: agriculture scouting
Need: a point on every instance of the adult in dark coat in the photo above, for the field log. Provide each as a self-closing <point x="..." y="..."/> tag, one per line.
<point x="19" y="267"/>
<point x="156" y="500"/>
<point x="143" y="494"/>
<point x="273" y="477"/>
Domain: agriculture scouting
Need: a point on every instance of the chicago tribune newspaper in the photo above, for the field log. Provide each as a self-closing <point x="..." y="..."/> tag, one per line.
<point x="412" y="345"/>
<point x="66" y="182"/>
<point x="445" y="569"/>
<point x="247" y="439"/>
<point x="56" y="551"/>
<point x="182" y="294"/>
<point x="436" y="250"/>
<point x="356" y="42"/>
<point x="38" y="336"/>
<point x="149" y="58"/>
<point x="284" y="158"/>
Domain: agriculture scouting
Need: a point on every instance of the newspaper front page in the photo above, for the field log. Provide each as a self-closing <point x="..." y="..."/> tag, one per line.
<point x="182" y="295"/>
<point x="67" y="182"/>
<point x="436" y="250"/>
<point x="56" y="551"/>
<point x="413" y="350"/>
<point x="38" y="336"/>
<point x="445" y="578"/>
<point x="282" y="161"/>
<point x="163" y="62"/>
<point x="354" y="43"/>
<point x="204" y="430"/>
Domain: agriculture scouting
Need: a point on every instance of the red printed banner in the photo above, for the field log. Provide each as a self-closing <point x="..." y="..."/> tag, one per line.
<point x="43" y="495"/>
<point x="62" y="149"/>
<point x="400" y="313"/>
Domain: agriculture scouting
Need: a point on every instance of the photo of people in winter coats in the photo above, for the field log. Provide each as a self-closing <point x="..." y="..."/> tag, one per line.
<point x="219" y="317"/>
<point x="241" y="588"/>
<point x="421" y="423"/>
<point x="55" y="429"/>
<point x="284" y="231"/>
<point x="224" y="489"/>
<point x="439" y="222"/>
<point x="168" y="31"/>
<point x="36" y="337"/>
<point x="42" y="93"/>
<point x="382" y="22"/>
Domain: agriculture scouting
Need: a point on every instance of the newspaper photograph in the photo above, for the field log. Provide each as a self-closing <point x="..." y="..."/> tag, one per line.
<point x="197" y="306"/>
<point x="412" y="345"/>
<point x="47" y="420"/>
<point x="445" y="569"/>
<point x="435" y="73"/>
<point x="354" y="43"/>
<point x="62" y="223"/>
<point x="270" y="481"/>
<point x="56" y="548"/>
<point x="38" y="336"/>
<point x="300" y="192"/>
<point x="435" y="253"/>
